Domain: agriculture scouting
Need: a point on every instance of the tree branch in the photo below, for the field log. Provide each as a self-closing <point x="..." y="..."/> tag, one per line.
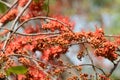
<point x="7" y="4"/>
<point x="15" y="21"/>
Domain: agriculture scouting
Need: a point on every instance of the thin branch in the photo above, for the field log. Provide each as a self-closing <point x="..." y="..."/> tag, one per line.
<point x="91" y="61"/>
<point x="118" y="49"/>
<point x="112" y="36"/>
<point x="113" y="69"/>
<point x="37" y="34"/>
<point x="35" y="62"/>
<point x="43" y="17"/>
<point x="1" y="24"/>
<point x="95" y="67"/>
<point x="10" y="8"/>
<point x="7" y="4"/>
<point x="14" y="23"/>
<point x="73" y="66"/>
<point x="32" y="34"/>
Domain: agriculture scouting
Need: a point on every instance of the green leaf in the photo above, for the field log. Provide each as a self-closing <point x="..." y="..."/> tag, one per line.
<point x="45" y="6"/>
<point x="16" y="70"/>
<point x="3" y="8"/>
<point x="36" y="1"/>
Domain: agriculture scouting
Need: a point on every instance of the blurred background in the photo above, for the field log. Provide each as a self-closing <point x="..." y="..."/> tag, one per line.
<point x="86" y="14"/>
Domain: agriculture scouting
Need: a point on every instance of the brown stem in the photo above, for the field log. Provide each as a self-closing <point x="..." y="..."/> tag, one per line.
<point x="43" y="17"/>
<point x="113" y="69"/>
<point x="91" y="62"/>
<point x="112" y="36"/>
<point x="25" y="34"/>
<point x="14" y="23"/>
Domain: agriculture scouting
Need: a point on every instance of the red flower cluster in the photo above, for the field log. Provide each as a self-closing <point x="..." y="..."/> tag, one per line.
<point x="52" y="47"/>
<point x="35" y="74"/>
<point x="102" y="46"/>
<point x="53" y="25"/>
<point x="96" y="39"/>
<point x="9" y="16"/>
<point x="107" y="50"/>
<point x="36" y="5"/>
<point x="52" y="52"/>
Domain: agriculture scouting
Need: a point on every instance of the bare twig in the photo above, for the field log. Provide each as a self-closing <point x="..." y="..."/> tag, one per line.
<point x="7" y="4"/>
<point x="32" y="34"/>
<point x="74" y="66"/>
<point x="88" y="65"/>
<point x="14" y="23"/>
<point x="43" y="17"/>
<point x="113" y="69"/>
<point x="91" y="62"/>
<point x="112" y="36"/>
<point x="94" y="66"/>
<point x="1" y="24"/>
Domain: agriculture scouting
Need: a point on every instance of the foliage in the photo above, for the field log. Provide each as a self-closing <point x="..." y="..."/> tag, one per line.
<point x="3" y="8"/>
<point x="16" y="70"/>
